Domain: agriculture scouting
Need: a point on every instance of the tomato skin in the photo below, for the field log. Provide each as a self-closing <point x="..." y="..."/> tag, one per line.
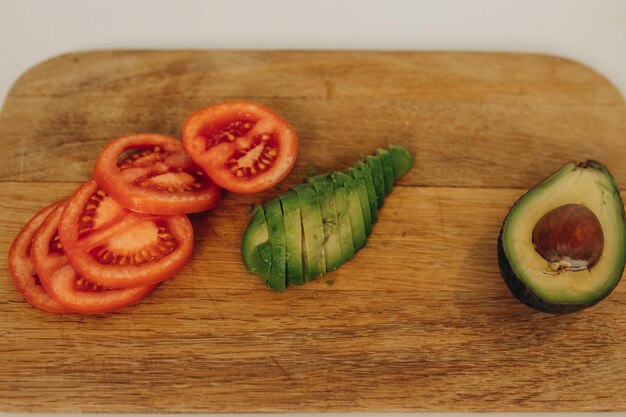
<point x="122" y="184"/>
<point x="60" y="280"/>
<point x="213" y="157"/>
<point x="21" y="266"/>
<point x="60" y="284"/>
<point x="77" y="247"/>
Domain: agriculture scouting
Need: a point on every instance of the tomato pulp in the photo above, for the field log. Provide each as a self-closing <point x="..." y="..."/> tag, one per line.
<point x="152" y="173"/>
<point x="64" y="285"/>
<point x="243" y="146"/>
<point x="117" y="248"/>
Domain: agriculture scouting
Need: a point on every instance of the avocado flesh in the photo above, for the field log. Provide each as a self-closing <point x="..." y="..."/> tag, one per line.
<point x="360" y="181"/>
<point x="293" y="237"/>
<point x="276" y="228"/>
<point x="529" y="275"/>
<point x="255" y="245"/>
<point x="313" y="232"/>
<point x="343" y="216"/>
<point x="342" y="180"/>
<point x="378" y="177"/>
<point x="402" y="161"/>
<point x="387" y="162"/>
<point x="332" y="246"/>
<point x="366" y="175"/>
<point x="346" y="242"/>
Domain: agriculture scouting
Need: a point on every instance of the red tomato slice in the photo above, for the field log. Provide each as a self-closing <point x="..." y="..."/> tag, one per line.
<point x="62" y="282"/>
<point x="117" y="248"/>
<point x="243" y="146"/>
<point x="152" y="173"/>
<point x="21" y="267"/>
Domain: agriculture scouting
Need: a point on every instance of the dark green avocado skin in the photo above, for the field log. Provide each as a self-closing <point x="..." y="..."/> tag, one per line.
<point x="523" y="293"/>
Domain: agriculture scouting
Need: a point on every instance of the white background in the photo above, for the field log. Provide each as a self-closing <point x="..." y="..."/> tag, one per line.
<point x="589" y="31"/>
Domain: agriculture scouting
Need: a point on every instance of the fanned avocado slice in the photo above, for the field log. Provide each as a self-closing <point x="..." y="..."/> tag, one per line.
<point x="342" y="180"/>
<point x="256" y="249"/>
<point x="378" y="177"/>
<point x="293" y="237"/>
<point x="276" y="228"/>
<point x="402" y="161"/>
<point x="366" y="175"/>
<point x="562" y="247"/>
<point x="332" y="247"/>
<point x="346" y="242"/>
<point x="360" y="181"/>
<point x="387" y="163"/>
<point x="313" y="257"/>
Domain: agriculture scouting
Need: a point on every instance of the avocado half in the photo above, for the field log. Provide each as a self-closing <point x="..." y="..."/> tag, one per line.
<point x="562" y="247"/>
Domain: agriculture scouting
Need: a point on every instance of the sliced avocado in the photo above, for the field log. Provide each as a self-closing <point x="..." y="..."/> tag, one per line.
<point x="343" y="217"/>
<point x="293" y="237"/>
<point x="313" y="232"/>
<point x="332" y="247"/>
<point x="378" y="176"/>
<point x="387" y="162"/>
<point x="276" y="228"/>
<point x="346" y="242"/>
<point x="256" y="249"/>
<point x="342" y="180"/>
<point x="402" y="161"/>
<point x="317" y="226"/>
<point x="366" y="174"/>
<point x="360" y="181"/>
<point x="562" y="247"/>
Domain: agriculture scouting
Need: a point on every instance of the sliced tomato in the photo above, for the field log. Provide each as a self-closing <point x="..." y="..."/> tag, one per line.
<point x="153" y="174"/>
<point x="64" y="285"/>
<point x="21" y="266"/>
<point x="243" y="146"/>
<point x="118" y="248"/>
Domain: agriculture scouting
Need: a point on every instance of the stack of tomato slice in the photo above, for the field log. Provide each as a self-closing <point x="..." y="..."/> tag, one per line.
<point x="125" y="231"/>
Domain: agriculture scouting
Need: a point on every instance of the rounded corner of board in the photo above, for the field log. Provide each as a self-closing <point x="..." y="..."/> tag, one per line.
<point x="581" y="67"/>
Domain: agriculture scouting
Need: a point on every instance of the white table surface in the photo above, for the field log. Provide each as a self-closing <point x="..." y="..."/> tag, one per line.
<point x="589" y="31"/>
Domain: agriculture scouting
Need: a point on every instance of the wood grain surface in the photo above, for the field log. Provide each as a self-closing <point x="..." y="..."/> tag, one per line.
<point x="420" y="320"/>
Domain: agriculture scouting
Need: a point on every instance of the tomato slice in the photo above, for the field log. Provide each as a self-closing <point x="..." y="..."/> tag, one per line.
<point x="152" y="173"/>
<point x="64" y="285"/>
<point x="21" y="266"/>
<point x="243" y="146"/>
<point x="118" y="248"/>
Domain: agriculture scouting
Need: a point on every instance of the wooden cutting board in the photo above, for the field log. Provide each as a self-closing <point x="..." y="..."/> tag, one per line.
<point x="419" y="320"/>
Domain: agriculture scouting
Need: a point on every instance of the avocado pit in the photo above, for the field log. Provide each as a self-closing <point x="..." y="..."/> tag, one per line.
<point x="569" y="237"/>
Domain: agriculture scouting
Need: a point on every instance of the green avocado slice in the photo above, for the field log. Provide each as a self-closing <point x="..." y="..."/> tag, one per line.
<point x="332" y="247"/>
<point x="366" y="175"/>
<point x="255" y="246"/>
<point x="293" y="237"/>
<point x="402" y="161"/>
<point x="361" y="185"/>
<point x="342" y="180"/>
<point x="570" y="278"/>
<point x="378" y="177"/>
<point x="313" y="232"/>
<point x="346" y="243"/>
<point x="387" y="163"/>
<point x="276" y="228"/>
